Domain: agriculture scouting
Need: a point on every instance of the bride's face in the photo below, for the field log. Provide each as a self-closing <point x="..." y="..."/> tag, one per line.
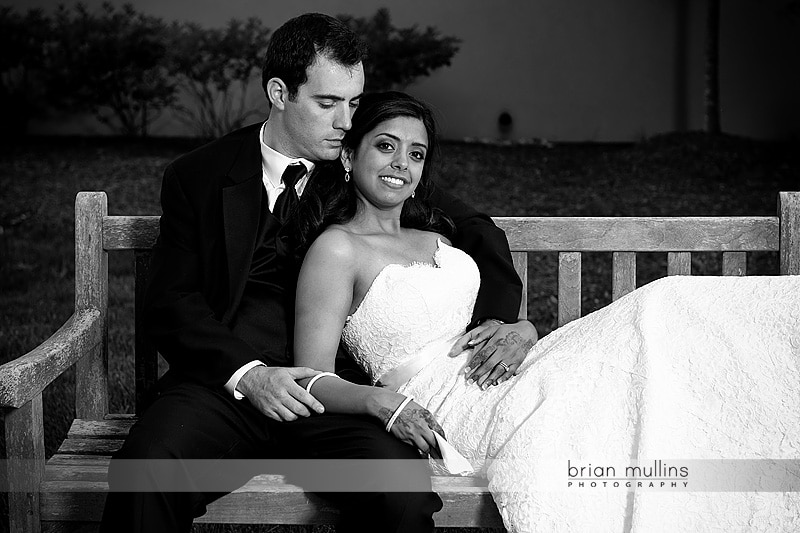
<point x="387" y="165"/>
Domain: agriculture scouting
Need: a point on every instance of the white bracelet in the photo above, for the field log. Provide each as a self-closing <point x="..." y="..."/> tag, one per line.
<point x="315" y="378"/>
<point x="396" y="413"/>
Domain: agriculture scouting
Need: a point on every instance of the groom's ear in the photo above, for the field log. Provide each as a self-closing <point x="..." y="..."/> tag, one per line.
<point x="277" y="92"/>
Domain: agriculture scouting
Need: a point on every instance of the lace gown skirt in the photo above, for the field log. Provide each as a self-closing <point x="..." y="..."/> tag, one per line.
<point x="685" y="368"/>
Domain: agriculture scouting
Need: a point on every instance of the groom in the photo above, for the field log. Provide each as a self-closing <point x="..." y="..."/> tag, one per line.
<point x="220" y="305"/>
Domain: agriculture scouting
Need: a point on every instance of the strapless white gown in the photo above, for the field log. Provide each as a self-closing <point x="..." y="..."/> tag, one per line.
<point x="684" y="368"/>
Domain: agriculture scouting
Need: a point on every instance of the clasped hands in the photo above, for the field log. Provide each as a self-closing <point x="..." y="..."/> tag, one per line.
<point x="275" y="393"/>
<point x="497" y="350"/>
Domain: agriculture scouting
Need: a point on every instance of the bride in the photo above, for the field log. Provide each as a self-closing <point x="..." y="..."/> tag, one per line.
<point x="610" y="423"/>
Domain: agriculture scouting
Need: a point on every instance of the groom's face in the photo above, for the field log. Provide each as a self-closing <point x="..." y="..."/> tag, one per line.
<point x="317" y="118"/>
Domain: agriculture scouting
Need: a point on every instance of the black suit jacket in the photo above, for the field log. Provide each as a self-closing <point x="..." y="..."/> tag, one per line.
<point x="211" y="202"/>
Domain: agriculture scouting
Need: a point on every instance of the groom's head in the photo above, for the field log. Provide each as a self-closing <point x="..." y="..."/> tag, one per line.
<point x="294" y="47"/>
<point x="313" y="77"/>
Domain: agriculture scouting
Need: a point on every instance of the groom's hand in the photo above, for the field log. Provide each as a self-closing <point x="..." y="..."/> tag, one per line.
<point x="493" y="343"/>
<point x="274" y="391"/>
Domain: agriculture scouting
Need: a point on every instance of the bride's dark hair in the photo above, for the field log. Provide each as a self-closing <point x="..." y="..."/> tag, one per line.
<point x="329" y="199"/>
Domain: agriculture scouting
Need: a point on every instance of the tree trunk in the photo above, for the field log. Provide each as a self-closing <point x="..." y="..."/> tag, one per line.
<point x="712" y="120"/>
<point x="681" y="69"/>
<point x="144" y="119"/>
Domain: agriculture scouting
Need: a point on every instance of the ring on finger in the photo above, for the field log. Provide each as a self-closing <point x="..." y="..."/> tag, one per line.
<point x="505" y="366"/>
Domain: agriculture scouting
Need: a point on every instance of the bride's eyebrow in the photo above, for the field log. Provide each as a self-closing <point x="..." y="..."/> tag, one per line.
<point x="396" y="138"/>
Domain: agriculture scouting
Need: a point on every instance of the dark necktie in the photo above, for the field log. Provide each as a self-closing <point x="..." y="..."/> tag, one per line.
<point x="288" y="199"/>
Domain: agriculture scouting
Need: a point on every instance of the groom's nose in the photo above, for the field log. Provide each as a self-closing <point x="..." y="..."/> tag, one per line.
<point x="342" y="119"/>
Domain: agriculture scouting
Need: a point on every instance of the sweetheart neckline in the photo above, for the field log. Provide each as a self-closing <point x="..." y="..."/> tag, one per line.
<point x="436" y="264"/>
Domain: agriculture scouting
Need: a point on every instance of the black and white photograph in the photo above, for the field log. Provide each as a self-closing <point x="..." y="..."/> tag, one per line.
<point x="343" y="266"/>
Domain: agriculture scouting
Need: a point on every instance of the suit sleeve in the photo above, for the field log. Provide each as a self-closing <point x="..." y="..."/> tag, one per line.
<point x="500" y="294"/>
<point x="178" y="318"/>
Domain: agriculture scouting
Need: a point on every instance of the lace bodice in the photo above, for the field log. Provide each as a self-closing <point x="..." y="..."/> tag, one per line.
<point x="412" y="306"/>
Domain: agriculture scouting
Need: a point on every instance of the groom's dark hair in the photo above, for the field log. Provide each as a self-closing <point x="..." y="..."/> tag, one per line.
<point x="295" y="45"/>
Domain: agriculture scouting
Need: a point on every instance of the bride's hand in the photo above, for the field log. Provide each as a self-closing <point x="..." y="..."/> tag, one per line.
<point x="415" y="425"/>
<point x="493" y="343"/>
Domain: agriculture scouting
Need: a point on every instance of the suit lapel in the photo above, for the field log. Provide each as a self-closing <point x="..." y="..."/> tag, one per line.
<point x="241" y="209"/>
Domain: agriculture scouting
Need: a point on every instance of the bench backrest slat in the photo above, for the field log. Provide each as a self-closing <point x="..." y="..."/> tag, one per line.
<point x="679" y="264"/>
<point x="130" y="233"/>
<point x="146" y="356"/>
<point x="520" y="260"/>
<point x="623" y="274"/>
<point x="734" y="263"/>
<point x="560" y="234"/>
<point x="569" y="287"/>
<point x="789" y="213"/>
<point x="641" y="234"/>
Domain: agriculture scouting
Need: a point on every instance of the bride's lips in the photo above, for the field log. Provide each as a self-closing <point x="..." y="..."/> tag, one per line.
<point x="393" y="181"/>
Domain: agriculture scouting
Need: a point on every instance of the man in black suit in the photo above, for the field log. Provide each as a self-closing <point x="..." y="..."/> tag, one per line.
<point x="220" y="304"/>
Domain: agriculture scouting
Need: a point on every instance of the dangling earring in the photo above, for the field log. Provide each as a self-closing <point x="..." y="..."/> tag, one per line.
<point x="413" y="194"/>
<point x="346" y="175"/>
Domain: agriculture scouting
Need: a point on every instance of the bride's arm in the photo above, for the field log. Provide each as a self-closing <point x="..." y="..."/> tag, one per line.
<point x="324" y="297"/>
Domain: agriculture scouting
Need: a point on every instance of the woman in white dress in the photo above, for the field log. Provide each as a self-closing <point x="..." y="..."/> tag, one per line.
<point x="681" y="369"/>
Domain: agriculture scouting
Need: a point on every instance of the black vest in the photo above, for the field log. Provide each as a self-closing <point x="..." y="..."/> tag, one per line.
<point x="265" y="317"/>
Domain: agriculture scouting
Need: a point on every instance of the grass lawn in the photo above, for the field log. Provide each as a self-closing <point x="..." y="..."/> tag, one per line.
<point x="670" y="175"/>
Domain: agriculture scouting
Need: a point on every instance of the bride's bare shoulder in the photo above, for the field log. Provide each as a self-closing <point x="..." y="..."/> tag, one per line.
<point x="334" y="245"/>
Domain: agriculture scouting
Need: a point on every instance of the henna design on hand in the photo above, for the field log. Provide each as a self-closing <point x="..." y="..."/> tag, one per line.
<point x="515" y="338"/>
<point x="527" y="345"/>
<point x="482" y="356"/>
<point x="432" y="423"/>
<point x="384" y="414"/>
<point x="418" y="417"/>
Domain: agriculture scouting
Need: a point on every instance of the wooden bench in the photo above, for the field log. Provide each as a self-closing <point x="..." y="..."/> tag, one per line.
<point x="70" y="487"/>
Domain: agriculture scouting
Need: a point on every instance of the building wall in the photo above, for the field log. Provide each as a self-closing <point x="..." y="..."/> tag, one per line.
<point x="565" y="70"/>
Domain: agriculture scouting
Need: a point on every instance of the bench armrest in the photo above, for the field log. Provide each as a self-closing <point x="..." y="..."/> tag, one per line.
<point x="25" y="377"/>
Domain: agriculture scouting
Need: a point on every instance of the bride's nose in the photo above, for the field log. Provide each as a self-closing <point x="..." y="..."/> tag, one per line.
<point x="400" y="162"/>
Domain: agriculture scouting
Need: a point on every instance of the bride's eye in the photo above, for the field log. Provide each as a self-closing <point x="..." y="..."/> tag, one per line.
<point x="417" y="155"/>
<point x="383" y="145"/>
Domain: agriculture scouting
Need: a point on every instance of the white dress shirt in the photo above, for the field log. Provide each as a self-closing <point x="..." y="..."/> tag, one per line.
<point x="273" y="164"/>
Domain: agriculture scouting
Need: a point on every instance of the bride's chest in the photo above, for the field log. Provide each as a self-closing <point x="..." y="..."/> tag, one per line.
<point x="405" y="298"/>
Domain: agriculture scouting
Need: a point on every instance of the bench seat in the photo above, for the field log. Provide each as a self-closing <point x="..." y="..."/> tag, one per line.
<point x="74" y="488"/>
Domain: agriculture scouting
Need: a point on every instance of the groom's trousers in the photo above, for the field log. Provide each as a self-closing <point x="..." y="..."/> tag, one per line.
<point x="171" y="451"/>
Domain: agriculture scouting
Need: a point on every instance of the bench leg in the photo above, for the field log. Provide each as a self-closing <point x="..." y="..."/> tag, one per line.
<point x="24" y="434"/>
